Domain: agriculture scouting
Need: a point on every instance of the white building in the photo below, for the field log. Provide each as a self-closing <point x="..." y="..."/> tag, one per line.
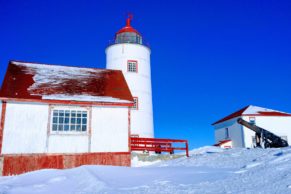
<point x="61" y="117"/>
<point x="129" y="54"/>
<point x="228" y="133"/>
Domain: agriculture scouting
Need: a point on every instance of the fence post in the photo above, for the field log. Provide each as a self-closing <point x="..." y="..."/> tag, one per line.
<point x="187" y="149"/>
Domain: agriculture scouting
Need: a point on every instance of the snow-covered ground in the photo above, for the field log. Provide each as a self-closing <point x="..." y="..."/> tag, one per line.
<point x="208" y="170"/>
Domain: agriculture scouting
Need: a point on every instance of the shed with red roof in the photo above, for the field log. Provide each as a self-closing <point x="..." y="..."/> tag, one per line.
<point x="56" y="116"/>
<point x="228" y="130"/>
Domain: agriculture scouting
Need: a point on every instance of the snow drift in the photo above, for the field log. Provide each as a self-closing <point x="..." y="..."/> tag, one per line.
<point x="208" y="170"/>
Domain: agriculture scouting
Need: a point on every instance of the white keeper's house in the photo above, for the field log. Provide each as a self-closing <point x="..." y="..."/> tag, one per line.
<point x="228" y="133"/>
<point x="56" y="116"/>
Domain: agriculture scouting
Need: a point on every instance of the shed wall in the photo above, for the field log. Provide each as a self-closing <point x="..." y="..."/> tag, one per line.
<point x="109" y="129"/>
<point x="77" y="143"/>
<point x="27" y="131"/>
<point x="234" y="129"/>
<point x="25" y="128"/>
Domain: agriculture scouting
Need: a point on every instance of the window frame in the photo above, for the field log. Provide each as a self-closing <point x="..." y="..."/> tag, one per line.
<point x="254" y="141"/>
<point x="135" y="102"/>
<point x="226" y="133"/>
<point x="252" y="120"/>
<point x="136" y="67"/>
<point x="69" y="132"/>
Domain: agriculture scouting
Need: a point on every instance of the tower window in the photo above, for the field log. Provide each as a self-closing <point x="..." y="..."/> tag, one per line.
<point x="135" y="103"/>
<point x="132" y="66"/>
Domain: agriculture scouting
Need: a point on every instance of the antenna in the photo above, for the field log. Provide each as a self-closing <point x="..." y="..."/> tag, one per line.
<point x="128" y="19"/>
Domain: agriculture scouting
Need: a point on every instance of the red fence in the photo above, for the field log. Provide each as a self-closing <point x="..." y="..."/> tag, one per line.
<point x="157" y="145"/>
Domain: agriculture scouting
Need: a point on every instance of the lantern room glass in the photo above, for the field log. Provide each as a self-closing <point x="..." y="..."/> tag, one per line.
<point x="128" y="37"/>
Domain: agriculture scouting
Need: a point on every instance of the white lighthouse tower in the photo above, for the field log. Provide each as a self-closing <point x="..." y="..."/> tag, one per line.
<point x="129" y="54"/>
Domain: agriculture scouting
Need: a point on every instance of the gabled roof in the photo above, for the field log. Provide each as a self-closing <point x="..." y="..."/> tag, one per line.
<point x="252" y="111"/>
<point x="35" y="81"/>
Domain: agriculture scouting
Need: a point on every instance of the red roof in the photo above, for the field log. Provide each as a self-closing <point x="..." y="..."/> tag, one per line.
<point x="34" y="81"/>
<point x="252" y="111"/>
<point x="127" y="28"/>
<point x="233" y="115"/>
<point x="222" y="142"/>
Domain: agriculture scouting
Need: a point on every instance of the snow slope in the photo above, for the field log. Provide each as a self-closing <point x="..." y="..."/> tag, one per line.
<point x="208" y="170"/>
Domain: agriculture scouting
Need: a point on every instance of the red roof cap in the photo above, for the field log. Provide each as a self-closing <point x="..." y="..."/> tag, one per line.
<point x="128" y="27"/>
<point x="253" y="111"/>
<point x="34" y="81"/>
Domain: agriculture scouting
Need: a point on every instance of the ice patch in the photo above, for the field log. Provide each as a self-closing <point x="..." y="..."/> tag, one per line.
<point x="135" y="162"/>
<point x="252" y="165"/>
<point x="240" y="171"/>
<point x="281" y="158"/>
<point x="206" y="150"/>
<point x="162" y="182"/>
<point x="39" y="186"/>
<point x="57" y="179"/>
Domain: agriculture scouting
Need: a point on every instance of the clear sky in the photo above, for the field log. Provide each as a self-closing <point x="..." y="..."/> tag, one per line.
<point x="209" y="58"/>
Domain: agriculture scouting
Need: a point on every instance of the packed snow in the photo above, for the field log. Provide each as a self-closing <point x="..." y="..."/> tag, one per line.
<point x="53" y="76"/>
<point x="256" y="110"/>
<point x="207" y="170"/>
<point x="87" y="98"/>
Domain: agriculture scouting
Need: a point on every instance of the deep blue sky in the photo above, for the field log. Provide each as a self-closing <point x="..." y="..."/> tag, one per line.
<point x="209" y="58"/>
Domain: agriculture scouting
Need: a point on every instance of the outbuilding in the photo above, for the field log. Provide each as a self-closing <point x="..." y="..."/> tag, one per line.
<point x="227" y="130"/>
<point x="60" y="117"/>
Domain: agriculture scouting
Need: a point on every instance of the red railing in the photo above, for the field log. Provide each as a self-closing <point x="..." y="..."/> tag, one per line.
<point x="157" y="145"/>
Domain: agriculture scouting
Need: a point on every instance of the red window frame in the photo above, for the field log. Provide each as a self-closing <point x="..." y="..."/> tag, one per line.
<point x="136" y="107"/>
<point x="128" y="61"/>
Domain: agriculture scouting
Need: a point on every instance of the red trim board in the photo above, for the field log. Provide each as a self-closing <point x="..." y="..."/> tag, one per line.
<point x="21" y="163"/>
<point x="2" y="122"/>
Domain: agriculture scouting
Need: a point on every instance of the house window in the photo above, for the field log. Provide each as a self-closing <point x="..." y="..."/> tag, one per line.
<point x="226" y="133"/>
<point x="254" y="142"/>
<point x="252" y="120"/>
<point x="69" y="120"/>
<point x="135" y="103"/>
<point x="132" y="66"/>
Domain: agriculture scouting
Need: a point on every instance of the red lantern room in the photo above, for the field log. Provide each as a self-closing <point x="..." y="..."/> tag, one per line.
<point x="128" y="34"/>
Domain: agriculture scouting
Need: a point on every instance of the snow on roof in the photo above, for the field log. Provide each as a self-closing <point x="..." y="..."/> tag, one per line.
<point x="25" y="80"/>
<point x="260" y="110"/>
<point x="252" y="111"/>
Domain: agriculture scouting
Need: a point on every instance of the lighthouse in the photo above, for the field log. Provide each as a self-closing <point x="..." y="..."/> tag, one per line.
<point x="129" y="54"/>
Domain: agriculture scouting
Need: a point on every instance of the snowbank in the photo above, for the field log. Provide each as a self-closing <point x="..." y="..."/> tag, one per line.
<point x="208" y="170"/>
